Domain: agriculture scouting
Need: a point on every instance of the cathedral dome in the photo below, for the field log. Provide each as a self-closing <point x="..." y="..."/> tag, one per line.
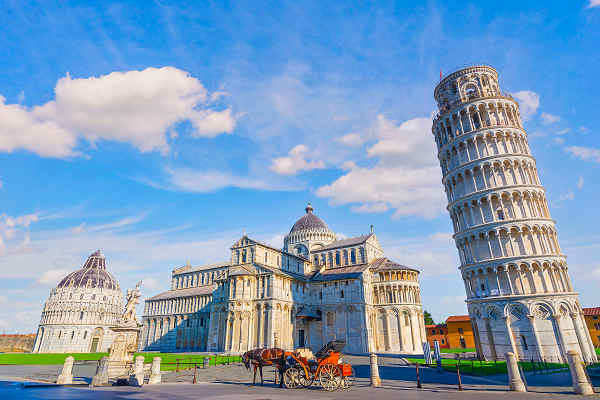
<point x="92" y="275"/>
<point x="309" y="221"/>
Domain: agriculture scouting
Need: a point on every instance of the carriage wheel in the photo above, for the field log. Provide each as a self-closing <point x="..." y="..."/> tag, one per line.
<point x="348" y="381"/>
<point x="305" y="381"/>
<point x="330" y="377"/>
<point x="291" y="378"/>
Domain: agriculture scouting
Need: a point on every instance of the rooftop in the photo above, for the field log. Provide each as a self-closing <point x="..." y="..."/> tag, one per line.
<point x="591" y="311"/>
<point x="458" y="318"/>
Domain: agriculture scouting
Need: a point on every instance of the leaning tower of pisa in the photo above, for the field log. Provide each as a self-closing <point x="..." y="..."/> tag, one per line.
<point x="519" y="294"/>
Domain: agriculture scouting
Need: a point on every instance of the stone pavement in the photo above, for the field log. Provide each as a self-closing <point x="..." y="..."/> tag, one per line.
<point x="234" y="382"/>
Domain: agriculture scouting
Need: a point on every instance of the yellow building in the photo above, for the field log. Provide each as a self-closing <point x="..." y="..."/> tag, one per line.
<point x="592" y="319"/>
<point x="460" y="332"/>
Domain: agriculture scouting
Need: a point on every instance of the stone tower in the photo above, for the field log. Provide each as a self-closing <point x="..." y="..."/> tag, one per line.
<point x="519" y="293"/>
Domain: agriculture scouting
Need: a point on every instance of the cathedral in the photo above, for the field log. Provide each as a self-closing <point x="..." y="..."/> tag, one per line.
<point x="314" y="289"/>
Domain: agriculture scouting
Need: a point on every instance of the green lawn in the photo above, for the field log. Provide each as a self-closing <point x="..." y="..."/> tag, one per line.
<point x="457" y="350"/>
<point x="169" y="360"/>
<point x="488" y="367"/>
<point x="598" y="351"/>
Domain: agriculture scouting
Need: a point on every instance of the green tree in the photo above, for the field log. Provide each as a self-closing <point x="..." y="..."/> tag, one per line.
<point x="428" y="319"/>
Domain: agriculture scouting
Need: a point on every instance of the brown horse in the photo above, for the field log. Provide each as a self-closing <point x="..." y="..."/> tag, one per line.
<point x="263" y="357"/>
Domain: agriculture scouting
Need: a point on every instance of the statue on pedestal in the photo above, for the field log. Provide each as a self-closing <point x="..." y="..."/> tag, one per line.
<point x="126" y="335"/>
<point x="129" y="316"/>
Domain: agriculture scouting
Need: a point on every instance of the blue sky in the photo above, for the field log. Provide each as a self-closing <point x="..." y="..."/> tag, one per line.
<point x="160" y="131"/>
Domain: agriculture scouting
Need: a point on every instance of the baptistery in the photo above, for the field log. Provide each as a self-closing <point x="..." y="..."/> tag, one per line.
<point x="79" y="312"/>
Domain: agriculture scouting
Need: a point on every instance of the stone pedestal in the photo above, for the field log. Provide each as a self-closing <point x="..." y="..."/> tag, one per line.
<point x="514" y="376"/>
<point x="155" y="376"/>
<point x="66" y="376"/>
<point x="125" y="343"/>
<point x="375" y="380"/>
<point x="137" y="378"/>
<point x="581" y="384"/>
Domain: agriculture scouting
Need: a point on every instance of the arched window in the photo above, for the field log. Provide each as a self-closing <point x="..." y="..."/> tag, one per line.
<point x="345" y="257"/>
<point x="330" y="259"/>
<point x="266" y="257"/>
<point x="337" y="258"/>
<point x="363" y="258"/>
<point x="316" y="260"/>
<point x="353" y="256"/>
<point x="81" y="315"/>
<point x="244" y="256"/>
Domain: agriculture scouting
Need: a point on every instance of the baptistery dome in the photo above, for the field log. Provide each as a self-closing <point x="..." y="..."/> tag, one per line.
<point x="80" y="311"/>
<point x="92" y="275"/>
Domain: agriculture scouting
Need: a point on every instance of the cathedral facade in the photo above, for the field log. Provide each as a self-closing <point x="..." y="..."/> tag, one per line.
<point x="316" y="288"/>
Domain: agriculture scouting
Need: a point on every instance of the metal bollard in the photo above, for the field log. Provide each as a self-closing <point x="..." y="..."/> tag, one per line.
<point x="375" y="380"/>
<point x="458" y="375"/>
<point x="419" y="386"/>
<point x="195" y="374"/>
<point x="66" y="376"/>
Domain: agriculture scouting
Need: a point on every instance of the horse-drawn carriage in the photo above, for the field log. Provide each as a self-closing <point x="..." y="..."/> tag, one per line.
<point x="327" y="368"/>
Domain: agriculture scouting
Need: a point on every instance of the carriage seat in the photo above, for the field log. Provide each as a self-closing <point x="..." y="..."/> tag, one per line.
<point x="305" y="352"/>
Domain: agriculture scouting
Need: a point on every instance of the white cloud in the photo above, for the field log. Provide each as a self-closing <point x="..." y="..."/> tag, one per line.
<point x="190" y="180"/>
<point x="1" y="183"/>
<point x="594" y="3"/>
<point x="298" y="159"/>
<point x="371" y="208"/>
<point x="559" y="140"/>
<point x="548" y="118"/>
<point x="136" y="107"/>
<point x="405" y="178"/>
<point x="569" y="195"/>
<point x="3" y="299"/>
<point x="528" y="101"/>
<point x="51" y="277"/>
<point x="563" y="131"/>
<point x="584" y="153"/>
<point x="13" y="231"/>
<point x="580" y="183"/>
<point x="596" y="273"/>
<point x="351" y="140"/>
